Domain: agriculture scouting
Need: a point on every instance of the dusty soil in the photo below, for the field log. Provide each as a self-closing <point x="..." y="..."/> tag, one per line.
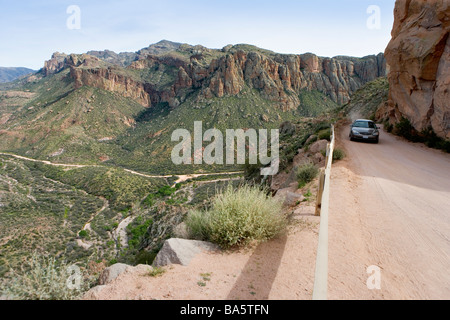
<point x="389" y="208"/>
<point x="280" y="269"/>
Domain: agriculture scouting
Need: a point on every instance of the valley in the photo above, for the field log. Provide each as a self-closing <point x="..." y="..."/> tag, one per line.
<point x="87" y="175"/>
<point x="85" y="143"/>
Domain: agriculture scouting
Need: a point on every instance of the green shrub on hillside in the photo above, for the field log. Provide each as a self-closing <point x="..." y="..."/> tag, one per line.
<point x="44" y="278"/>
<point x="389" y="127"/>
<point x="83" y="234"/>
<point x="324" y="134"/>
<point x="306" y="173"/>
<point x="431" y="140"/>
<point x="137" y="230"/>
<point x="338" y="154"/>
<point x="199" y="225"/>
<point x="237" y="217"/>
<point x="166" y="191"/>
<point x="405" y="129"/>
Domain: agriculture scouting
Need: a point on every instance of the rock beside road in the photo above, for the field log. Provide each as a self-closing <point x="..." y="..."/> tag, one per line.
<point x="181" y="251"/>
<point x="419" y="59"/>
<point x="318" y="146"/>
<point x="289" y="197"/>
<point x="111" y="273"/>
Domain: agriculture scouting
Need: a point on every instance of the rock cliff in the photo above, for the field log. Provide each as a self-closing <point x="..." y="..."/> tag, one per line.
<point x="419" y="59"/>
<point x="91" y="71"/>
<point x="177" y="71"/>
<point x="55" y="64"/>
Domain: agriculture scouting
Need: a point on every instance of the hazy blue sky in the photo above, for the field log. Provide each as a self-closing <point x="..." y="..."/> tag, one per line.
<point x="30" y="31"/>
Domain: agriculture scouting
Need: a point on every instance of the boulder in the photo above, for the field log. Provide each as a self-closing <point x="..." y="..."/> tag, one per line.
<point x="318" y="158"/>
<point x="111" y="273"/>
<point x="181" y="251"/>
<point x="287" y="128"/>
<point x="311" y="139"/>
<point x="318" y="146"/>
<point x="94" y="293"/>
<point x="289" y="197"/>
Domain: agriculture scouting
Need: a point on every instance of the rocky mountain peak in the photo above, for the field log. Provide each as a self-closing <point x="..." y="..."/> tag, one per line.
<point x="163" y="46"/>
<point x="209" y="73"/>
<point x="55" y="64"/>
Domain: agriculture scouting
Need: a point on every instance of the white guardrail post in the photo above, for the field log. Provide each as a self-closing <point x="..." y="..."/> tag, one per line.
<point x="323" y="197"/>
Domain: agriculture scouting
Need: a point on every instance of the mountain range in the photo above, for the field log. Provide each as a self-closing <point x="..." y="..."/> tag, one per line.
<point x="120" y="109"/>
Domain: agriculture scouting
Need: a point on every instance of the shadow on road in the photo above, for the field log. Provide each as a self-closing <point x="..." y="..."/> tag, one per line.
<point x="256" y="279"/>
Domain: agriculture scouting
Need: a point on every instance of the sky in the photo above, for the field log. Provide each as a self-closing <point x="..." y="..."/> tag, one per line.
<point x="31" y="30"/>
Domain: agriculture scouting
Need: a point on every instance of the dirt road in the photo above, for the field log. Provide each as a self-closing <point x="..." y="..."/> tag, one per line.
<point x="389" y="208"/>
<point x="181" y="178"/>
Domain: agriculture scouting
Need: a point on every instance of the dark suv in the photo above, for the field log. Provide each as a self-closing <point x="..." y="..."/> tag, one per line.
<point x="365" y="130"/>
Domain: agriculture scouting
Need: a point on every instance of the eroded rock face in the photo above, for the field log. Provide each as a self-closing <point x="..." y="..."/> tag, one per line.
<point x="218" y="73"/>
<point x="419" y="59"/>
<point x="110" y="80"/>
<point x="55" y="64"/>
<point x="281" y="77"/>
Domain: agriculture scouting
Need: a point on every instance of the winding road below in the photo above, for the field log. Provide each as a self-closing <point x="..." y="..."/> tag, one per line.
<point x="389" y="209"/>
<point x="181" y="178"/>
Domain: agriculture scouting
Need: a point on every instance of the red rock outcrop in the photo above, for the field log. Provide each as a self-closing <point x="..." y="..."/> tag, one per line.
<point x="55" y="64"/>
<point x="170" y="77"/>
<point x="88" y="70"/>
<point x="419" y="59"/>
<point x="280" y="78"/>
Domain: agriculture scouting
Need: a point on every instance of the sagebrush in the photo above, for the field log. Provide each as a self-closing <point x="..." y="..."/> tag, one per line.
<point x="306" y="173"/>
<point x="237" y="217"/>
<point x="45" y="278"/>
<point x="338" y="154"/>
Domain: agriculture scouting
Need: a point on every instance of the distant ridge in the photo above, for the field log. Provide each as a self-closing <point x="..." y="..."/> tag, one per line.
<point x="124" y="59"/>
<point x="11" y="74"/>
